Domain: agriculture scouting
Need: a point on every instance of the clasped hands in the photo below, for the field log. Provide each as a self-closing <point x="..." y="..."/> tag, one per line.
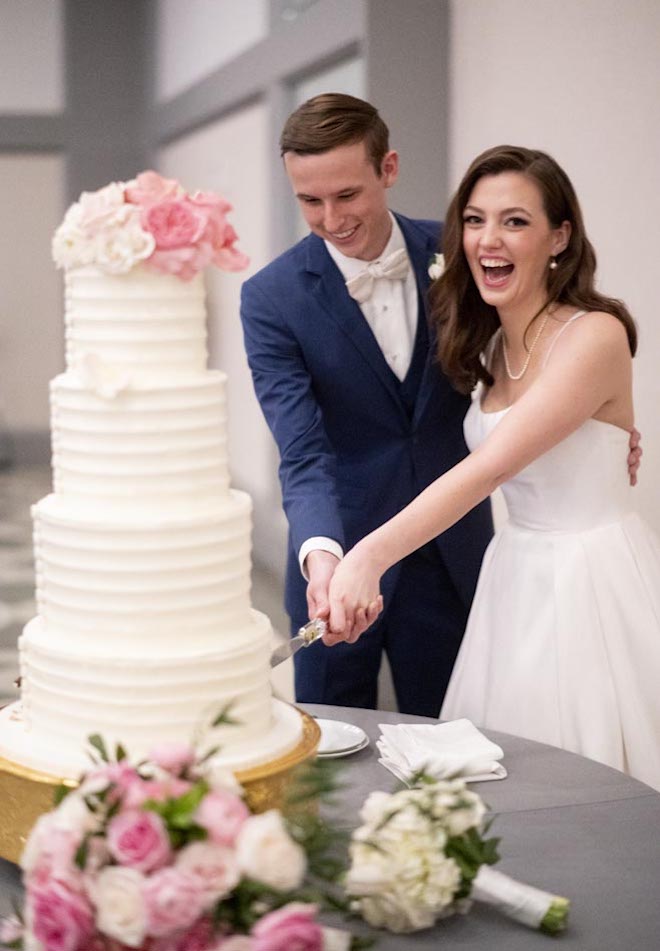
<point x="344" y="593"/>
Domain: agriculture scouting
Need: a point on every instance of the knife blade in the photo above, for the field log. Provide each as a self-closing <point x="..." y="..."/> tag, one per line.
<point x="307" y="634"/>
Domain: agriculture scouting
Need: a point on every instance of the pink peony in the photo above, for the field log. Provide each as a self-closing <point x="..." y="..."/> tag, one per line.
<point x="149" y="188"/>
<point x="184" y="263"/>
<point x="222" y="814"/>
<point x="174" y="224"/>
<point x="174" y="900"/>
<point x="62" y="920"/>
<point x="291" y="928"/>
<point x="138" y="838"/>
<point x="173" y="757"/>
<point x="214" y="866"/>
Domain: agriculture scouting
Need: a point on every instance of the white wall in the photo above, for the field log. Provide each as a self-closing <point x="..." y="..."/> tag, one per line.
<point x="581" y="81"/>
<point x="195" y="37"/>
<point x="31" y="299"/>
<point x="31" y="56"/>
<point x="232" y="156"/>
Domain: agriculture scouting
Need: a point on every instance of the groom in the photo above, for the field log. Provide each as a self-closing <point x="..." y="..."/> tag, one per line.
<point x="342" y="359"/>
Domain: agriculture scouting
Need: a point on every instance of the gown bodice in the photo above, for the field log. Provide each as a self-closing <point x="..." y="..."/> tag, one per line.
<point x="581" y="483"/>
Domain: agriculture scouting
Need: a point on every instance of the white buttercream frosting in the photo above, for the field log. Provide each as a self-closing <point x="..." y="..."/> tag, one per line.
<point x="145" y="628"/>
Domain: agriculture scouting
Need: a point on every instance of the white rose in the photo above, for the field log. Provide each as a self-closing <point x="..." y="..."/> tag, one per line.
<point x="376" y="806"/>
<point x="437" y="267"/>
<point x="394" y="913"/>
<point x="74" y="815"/>
<point x="220" y="778"/>
<point x="267" y="853"/>
<point x="335" y="939"/>
<point x="122" y="243"/>
<point x="117" y="894"/>
<point x="214" y="866"/>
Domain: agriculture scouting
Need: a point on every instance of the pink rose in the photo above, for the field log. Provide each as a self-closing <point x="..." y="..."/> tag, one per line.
<point x="11" y="930"/>
<point x="214" y="866"/>
<point x="174" y="900"/>
<point x="138" y="838"/>
<point x="174" y="224"/>
<point x="157" y="789"/>
<point x="222" y="814"/>
<point x="219" y="233"/>
<point x="201" y="937"/>
<point x="291" y="928"/>
<point x="173" y="757"/>
<point x="184" y="263"/>
<point x="62" y="920"/>
<point x="150" y="188"/>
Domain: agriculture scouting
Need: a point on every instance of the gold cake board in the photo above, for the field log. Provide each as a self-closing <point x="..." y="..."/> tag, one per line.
<point x="26" y="793"/>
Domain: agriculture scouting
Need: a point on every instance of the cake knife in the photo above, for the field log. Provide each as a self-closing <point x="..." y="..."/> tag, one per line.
<point x="307" y="634"/>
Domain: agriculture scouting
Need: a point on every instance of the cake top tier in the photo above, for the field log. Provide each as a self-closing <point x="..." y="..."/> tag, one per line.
<point x="152" y="221"/>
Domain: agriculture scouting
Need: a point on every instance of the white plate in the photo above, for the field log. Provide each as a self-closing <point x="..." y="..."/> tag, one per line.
<point x="339" y="738"/>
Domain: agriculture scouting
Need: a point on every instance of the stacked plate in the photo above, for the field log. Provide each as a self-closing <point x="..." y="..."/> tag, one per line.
<point x="340" y="739"/>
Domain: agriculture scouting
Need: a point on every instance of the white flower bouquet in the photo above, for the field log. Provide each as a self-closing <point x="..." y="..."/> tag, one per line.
<point x="421" y="855"/>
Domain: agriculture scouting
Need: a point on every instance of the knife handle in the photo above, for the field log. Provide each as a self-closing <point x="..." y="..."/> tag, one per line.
<point x="311" y="631"/>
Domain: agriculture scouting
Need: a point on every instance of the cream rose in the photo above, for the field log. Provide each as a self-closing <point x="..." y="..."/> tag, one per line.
<point x="117" y="894"/>
<point x="266" y="852"/>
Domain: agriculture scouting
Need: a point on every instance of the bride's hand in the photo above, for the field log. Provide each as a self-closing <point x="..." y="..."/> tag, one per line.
<point x="355" y="599"/>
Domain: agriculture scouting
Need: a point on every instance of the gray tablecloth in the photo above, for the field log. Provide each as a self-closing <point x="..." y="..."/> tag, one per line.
<point x="567" y="824"/>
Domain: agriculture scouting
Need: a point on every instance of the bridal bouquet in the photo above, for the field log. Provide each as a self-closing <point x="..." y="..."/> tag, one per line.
<point x="166" y="856"/>
<point x="420" y="855"/>
<point x="150" y="220"/>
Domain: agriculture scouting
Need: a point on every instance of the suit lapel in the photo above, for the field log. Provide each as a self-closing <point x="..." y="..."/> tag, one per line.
<point x="421" y="249"/>
<point x="330" y="292"/>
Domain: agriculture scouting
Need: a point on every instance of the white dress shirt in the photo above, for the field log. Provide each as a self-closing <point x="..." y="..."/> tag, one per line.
<point x="391" y="313"/>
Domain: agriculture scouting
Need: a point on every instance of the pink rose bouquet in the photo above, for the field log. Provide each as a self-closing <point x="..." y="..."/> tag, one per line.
<point x="152" y="221"/>
<point x="166" y="856"/>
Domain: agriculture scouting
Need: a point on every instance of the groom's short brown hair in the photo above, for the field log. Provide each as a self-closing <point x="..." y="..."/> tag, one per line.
<point x="333" y="119"/>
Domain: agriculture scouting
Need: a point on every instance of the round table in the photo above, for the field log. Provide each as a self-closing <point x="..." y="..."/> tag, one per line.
<point x="567" y="824"/>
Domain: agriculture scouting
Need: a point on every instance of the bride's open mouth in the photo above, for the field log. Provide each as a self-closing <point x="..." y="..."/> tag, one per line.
<point x="495" y="271"/>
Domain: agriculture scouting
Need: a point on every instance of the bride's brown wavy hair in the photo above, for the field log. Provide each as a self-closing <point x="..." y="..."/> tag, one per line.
<point x="464" y="322"/>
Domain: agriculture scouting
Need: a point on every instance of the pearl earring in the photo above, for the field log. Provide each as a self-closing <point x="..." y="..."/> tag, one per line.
<point x="553" y="264"/>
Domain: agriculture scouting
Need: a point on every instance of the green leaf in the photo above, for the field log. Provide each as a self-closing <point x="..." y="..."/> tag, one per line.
<point x="224" y="718"/>
<point x="120" y="753"/>
<point x="82" y="853"/>
<point x="60" y="794"/>
<point x="96" y="741"/>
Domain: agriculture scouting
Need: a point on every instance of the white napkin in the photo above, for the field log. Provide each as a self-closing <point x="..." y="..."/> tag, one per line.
<point x="443" y="750"/>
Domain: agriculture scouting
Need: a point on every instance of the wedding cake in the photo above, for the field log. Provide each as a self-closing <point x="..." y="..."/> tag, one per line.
<point x="145" y="629"/>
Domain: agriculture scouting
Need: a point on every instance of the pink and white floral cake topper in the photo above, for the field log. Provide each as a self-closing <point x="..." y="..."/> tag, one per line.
<point x="149" y="220"/>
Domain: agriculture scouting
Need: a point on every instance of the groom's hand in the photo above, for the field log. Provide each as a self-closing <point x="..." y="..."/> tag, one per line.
<point x="634" y="454"/>
<point x="320" y="566"/>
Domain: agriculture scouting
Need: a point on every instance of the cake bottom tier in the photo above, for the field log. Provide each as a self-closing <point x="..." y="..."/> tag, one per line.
<point x="144" y="701"/>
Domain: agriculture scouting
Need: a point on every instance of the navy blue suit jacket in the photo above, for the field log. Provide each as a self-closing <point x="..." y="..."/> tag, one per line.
<point x="351" y="456"/>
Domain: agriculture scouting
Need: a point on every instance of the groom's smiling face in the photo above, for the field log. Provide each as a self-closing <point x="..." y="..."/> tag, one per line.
<point x="343" y="198"/>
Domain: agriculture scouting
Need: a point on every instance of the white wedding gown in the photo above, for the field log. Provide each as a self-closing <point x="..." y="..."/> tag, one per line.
<point x="563" y="640"/>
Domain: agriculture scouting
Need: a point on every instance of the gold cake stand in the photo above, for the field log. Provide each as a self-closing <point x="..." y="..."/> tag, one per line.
<point x="26" y="793"/>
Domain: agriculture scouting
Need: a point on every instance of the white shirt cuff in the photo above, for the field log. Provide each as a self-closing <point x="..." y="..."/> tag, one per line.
<point x="318" y="542"/>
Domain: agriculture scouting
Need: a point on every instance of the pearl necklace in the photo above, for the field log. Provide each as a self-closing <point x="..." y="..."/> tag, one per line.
<point x="518" y="376"/>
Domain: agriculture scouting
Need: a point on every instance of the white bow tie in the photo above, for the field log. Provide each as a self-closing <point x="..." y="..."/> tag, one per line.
<point x="395" y="267"/>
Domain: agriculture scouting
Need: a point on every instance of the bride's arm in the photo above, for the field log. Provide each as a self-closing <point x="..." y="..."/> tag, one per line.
<point x="589" y="371"/>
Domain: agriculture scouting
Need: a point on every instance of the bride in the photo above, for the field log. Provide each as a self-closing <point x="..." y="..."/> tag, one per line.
<point x="563" y="640"/>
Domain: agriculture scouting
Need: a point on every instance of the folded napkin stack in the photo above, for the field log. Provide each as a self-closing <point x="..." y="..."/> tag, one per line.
<point x="442" y="750"/>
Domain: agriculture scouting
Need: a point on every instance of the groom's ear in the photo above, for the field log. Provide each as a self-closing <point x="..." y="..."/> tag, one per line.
<point x="389" y="168"/>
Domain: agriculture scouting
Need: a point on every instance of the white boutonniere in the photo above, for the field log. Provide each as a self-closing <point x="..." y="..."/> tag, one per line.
<point x="436" y="266"/>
